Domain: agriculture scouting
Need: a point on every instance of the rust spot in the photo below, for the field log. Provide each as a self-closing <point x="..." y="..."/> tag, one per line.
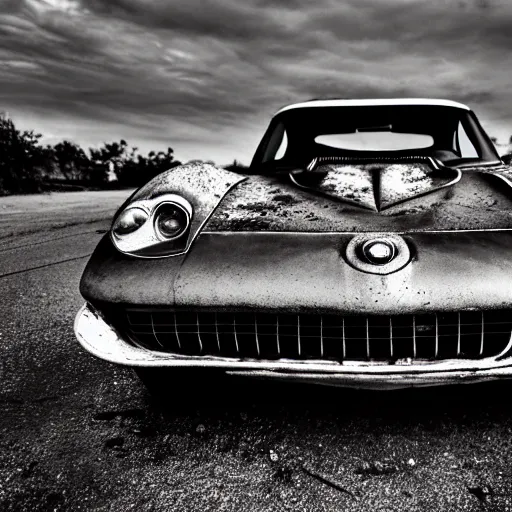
<point x="269" y="203"/>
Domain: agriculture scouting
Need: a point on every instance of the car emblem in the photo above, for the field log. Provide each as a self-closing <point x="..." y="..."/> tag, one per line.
<point x="378" y="253"/>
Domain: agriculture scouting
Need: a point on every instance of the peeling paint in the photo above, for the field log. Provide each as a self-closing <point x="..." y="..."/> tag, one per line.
<point x="354" y="183"/>
<point x="477" y="201"/>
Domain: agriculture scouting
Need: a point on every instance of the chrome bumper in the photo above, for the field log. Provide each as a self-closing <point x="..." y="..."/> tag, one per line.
<point x="99" y="338"/>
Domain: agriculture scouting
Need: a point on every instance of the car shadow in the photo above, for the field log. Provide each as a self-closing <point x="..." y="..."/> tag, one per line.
<point x="240" y="393"/>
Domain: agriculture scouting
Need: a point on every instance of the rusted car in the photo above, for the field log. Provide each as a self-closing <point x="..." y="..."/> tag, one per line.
<point x="368" y="245"/>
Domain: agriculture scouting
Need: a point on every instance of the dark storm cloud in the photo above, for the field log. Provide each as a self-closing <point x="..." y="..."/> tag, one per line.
<point x="205" y="76"/>
<point x="230" y="20"/>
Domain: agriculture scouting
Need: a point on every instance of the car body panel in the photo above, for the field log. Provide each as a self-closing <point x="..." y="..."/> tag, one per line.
<point x="480" y="200"/>
<point x="294" y="272"/>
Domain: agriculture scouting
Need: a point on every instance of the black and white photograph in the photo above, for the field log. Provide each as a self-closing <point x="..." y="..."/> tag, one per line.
<point x="255" y="256"/>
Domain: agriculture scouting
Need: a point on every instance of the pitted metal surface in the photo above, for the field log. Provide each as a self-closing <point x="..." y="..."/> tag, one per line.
<point x="262" y="203"/>
<point x="376" y="185"/>
<point x="202" y="185"/>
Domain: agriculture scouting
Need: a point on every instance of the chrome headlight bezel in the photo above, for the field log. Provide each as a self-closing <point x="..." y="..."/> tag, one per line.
<point x="146" y="241"/>
<point x="157" y="213"/>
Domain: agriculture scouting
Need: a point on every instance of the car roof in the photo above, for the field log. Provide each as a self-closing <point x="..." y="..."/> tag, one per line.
<point x="373" y="103"/>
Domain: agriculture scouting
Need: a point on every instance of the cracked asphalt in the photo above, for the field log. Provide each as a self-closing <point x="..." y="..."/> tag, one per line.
<point x="77" y="433"/>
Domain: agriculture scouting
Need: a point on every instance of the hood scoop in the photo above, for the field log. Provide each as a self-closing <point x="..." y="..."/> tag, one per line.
<point x="375" y="183"/>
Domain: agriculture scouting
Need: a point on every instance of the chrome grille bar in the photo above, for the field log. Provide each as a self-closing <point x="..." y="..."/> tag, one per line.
<point x="367" y="339"/>
<point x="321" y="336"/>
<point x="468" y="334"/>
<point x="414" y="336"/>
<point x="234" y="332"/>
<point x="277" y="336"/>
<point x="391" y="337"/>
<point x="437" y="338"/>
<point x="217" y="332"/>
<point x="298" y="335"/>
<point x="458" y="334"/>
<point x="154" y="332"/>
<point x="256" y="336"/>
<point x="343" y="336"/>
<point x="176" y="331"/>
<point x="482" y="335"/>
<point x="199" y="333"/>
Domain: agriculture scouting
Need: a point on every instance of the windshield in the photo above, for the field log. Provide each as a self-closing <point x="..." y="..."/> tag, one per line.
<point x="452" y="135"/>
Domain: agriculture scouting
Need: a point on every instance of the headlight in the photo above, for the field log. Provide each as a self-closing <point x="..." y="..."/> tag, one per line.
<point x="171" y="220"/>
<point x="129" y="221"/>
<point x="152" y="228"/>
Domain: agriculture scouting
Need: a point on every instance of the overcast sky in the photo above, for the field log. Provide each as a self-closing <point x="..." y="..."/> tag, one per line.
<point x="205" y="76"/>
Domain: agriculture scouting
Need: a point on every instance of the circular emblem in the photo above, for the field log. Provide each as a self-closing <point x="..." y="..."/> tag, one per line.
<point x="377" y="253"/>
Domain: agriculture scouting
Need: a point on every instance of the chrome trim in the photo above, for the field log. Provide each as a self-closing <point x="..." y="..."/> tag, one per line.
<point x="482" y="335"/>
<point x="367" y="339"/>
<point x="199" y="333"/>
<point x="321" y="336"/>
<point x="437" y="336"/>
<point x="147" y="235"/>
<point x="505" y="350"/>
<point x="256" y="335"/>
<point x="176" y="331"/>
<point x="458" y="333"/>
<point x="102" y="340"/>
<point x="319" y="233"/>
<point x="391" y="337"/>
<point x="277" y="336"/>
<point x="154" y="332"/>
<point x="298" y="335"/>
<point x="217" y="331"/>
<point x="236" y="337"/>
<point x="154" y="215"/>
<point x="245" y="327"/>
<point x="374" y="103"/>
<point x="401" y="259"/>
<point x="197" y="220"/>
<point x="414" y="336"/>
<point x="344" y="338"/>
<point x="370" y="243"/>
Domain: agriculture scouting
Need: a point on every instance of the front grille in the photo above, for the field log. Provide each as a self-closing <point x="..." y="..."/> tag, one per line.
<point x="464" y="335"/>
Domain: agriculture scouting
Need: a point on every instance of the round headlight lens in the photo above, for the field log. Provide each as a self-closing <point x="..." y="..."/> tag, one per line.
<point x="129" y="221"/>
<point x="171" y="220"/>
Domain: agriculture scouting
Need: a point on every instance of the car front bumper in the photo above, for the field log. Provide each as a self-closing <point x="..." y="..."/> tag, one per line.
<point x="101" y="339"/>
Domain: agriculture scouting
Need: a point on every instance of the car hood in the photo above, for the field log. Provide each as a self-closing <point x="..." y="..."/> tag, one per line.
<point x="352" y="196"/>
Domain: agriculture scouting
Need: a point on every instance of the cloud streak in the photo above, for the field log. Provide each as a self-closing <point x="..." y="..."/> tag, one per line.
<point x="205" y="77"/>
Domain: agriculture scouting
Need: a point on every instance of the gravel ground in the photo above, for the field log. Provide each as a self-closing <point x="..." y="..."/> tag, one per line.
<point x="80" y="434"/>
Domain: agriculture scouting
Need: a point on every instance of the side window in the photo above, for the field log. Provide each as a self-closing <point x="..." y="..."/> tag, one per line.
<point x="465" y="146"/>
<point x="277" y="144"/>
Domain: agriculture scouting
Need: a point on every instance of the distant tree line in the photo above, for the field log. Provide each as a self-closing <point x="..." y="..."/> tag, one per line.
<point x="27" y="166"/>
